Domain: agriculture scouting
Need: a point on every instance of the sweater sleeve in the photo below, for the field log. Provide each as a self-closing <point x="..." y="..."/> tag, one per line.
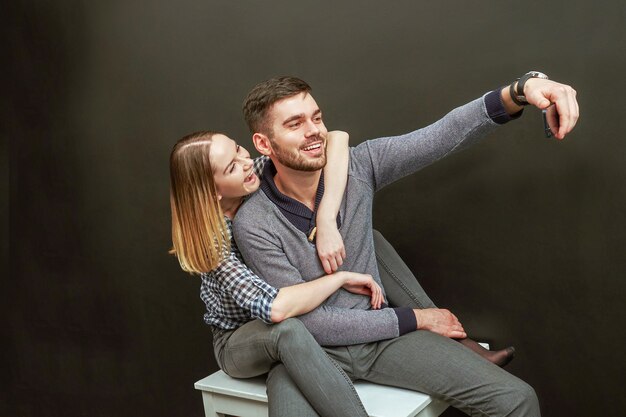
<point x="330" y="325"/>
<point x="385" y="160"/>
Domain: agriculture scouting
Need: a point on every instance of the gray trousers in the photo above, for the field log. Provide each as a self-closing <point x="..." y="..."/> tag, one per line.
<point x="430" y="363"/>
<point x="421" y="361"/>
<point x="302" y="381"/>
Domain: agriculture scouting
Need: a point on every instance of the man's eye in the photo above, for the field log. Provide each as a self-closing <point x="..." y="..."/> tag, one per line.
<point x="238" y="147"/>
<point x="232" y="168"/>
<point x="295" y="124"/>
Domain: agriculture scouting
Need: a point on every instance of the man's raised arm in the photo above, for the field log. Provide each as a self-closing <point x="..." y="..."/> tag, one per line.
<point x="388" y="159"/>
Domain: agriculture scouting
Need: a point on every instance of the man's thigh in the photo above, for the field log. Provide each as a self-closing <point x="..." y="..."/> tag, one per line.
<point x="436" y="365"/>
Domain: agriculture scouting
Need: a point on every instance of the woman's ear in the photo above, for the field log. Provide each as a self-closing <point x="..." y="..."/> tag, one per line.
<point x="262" y="144"/>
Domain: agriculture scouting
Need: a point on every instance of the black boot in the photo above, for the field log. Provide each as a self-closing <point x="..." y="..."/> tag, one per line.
<point x="499" y="357"/>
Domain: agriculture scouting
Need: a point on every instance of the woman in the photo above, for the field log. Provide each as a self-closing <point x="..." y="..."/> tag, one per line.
<point x="210" y="177"/>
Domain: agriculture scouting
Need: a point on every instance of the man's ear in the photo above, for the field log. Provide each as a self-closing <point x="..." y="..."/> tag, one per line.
<point x="262" y="144"/>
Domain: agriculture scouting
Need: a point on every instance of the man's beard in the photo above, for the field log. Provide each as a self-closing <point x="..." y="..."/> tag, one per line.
<point x="291" y="158"/>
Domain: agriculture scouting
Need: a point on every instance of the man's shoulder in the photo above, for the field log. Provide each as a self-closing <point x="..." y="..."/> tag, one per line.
<point x="253" y="212"/>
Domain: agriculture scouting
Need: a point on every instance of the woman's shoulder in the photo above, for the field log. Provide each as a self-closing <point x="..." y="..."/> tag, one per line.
<point x="259" y="164"/>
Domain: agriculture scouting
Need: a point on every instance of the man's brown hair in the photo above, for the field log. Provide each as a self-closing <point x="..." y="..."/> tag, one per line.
<point x="259" y="100"/>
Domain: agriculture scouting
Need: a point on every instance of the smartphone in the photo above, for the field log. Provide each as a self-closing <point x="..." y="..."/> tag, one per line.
<point x="550" y="121"/>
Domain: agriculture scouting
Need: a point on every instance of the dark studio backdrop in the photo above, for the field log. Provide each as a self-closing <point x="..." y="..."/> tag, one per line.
<point x="521" y="236"/>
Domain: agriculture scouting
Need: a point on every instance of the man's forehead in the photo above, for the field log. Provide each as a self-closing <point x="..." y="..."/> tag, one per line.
<point x="288" y="106"/>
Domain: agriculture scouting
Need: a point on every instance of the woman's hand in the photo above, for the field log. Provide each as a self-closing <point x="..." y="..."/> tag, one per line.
<point x="329" y="245"/>
<point x="364" y="284"/>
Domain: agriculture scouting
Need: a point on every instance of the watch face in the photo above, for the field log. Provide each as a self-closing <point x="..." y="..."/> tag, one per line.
<point x="537" y="74"/>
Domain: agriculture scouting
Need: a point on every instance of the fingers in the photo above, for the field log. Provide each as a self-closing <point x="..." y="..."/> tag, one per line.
<point x="326" y="265"/>
<point x="545" y="92"/>
<point x="377" y="296"/>
<point x="332" y="260"/>
<point x="568" y="120"/>
<point x="457" y="334"/>
<point x="446" y="324"/>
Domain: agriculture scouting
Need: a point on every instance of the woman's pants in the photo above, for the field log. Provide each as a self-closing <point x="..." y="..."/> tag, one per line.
<point x="302" y="381"/>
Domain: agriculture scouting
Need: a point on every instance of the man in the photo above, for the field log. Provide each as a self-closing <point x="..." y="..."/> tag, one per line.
<point x="407" y="346"/>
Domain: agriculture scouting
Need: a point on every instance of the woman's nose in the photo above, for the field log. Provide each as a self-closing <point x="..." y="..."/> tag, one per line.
<point x="246" y="162"/>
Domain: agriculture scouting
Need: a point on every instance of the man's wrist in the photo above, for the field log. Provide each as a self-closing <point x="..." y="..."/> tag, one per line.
<point x="418" y="317"/>
<point x="495" y="104"/>
<point x="511" y="106"/>
<point x="516" y="89"/>
<point x="407" y="321"/>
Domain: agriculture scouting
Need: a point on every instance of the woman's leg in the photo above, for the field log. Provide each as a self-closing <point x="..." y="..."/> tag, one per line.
<point x="403" y="289"/>
<point x="286" y="399"/>
<point x="252" y="349"/>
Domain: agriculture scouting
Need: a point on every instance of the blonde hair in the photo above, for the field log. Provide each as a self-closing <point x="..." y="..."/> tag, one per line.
<point x="200" y="236"/>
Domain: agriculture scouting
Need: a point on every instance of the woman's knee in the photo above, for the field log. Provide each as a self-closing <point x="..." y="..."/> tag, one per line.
<point x="289" y="328"/>
<point x="291" y="334"/>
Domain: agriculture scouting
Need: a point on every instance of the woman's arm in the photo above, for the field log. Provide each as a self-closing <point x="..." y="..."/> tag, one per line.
<point x="233" y="279"/>
<point x="329" y="243"/>
<point x="301" y="298"/>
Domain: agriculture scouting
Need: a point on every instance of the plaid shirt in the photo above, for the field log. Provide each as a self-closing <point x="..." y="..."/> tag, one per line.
<point x="232" y="293"/>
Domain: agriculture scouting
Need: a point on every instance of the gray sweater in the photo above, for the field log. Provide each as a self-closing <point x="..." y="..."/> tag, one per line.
<point x="280" y="253"/>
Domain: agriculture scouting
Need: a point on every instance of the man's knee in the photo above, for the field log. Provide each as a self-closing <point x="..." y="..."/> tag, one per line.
<point x="528" y="400"/>
<point x="518" y="399"/>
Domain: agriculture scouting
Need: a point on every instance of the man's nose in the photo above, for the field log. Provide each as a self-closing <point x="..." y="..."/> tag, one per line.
<point x="312" y="128"/>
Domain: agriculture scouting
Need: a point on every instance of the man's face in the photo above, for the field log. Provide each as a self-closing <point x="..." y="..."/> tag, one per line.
<point x="298" y="134"/>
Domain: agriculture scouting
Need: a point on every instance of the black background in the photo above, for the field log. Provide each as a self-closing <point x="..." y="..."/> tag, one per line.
<point x="523" y="237"/>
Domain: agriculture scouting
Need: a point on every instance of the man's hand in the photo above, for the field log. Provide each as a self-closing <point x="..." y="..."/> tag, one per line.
<point x="364" y="284"/>
<point x="541" y="93"/>
<point x="330" y="248"/>
<point x="439" y="321"/>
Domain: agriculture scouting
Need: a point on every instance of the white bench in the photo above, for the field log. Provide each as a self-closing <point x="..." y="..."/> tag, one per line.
<point x="222" y="395"/>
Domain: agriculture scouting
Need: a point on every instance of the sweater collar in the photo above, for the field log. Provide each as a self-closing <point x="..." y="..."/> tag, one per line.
<point x="287" y="203"/>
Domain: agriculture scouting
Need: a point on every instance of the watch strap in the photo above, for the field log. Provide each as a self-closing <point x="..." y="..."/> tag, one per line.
<point x="526" y="77"/>
<point x="513" y="94"/>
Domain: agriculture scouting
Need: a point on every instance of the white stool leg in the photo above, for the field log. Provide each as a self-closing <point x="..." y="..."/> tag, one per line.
<point x="209" y="408"/>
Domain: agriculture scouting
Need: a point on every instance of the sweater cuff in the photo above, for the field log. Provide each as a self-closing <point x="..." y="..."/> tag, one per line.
<point x="406" y="320"/>
<point x="495" y="108"/>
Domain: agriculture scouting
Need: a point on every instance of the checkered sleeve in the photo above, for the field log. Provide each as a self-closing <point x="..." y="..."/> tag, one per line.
<point x="259" y="164"/>
<point x="248" y="291"/>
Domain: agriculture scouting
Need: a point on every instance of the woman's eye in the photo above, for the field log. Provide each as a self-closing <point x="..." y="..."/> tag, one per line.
<point x="232" y="168"/>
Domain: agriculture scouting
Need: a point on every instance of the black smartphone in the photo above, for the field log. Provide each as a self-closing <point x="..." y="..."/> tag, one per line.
<point x="550" y="121"/>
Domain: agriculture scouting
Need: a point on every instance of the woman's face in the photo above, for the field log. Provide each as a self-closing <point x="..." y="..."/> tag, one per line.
<point x="232" y="168"/>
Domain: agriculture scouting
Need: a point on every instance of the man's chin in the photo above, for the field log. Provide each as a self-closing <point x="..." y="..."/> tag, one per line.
<point x="305" y="166"/>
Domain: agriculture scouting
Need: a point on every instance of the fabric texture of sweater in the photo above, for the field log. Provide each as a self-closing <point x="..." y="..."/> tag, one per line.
<point x="280" y="253"/>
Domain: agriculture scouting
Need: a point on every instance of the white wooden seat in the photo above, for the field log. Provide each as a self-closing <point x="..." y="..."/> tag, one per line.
<point x="222" y="395"/>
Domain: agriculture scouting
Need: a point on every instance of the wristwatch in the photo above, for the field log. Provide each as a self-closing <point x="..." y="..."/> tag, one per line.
<point x="517" y="94"/>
